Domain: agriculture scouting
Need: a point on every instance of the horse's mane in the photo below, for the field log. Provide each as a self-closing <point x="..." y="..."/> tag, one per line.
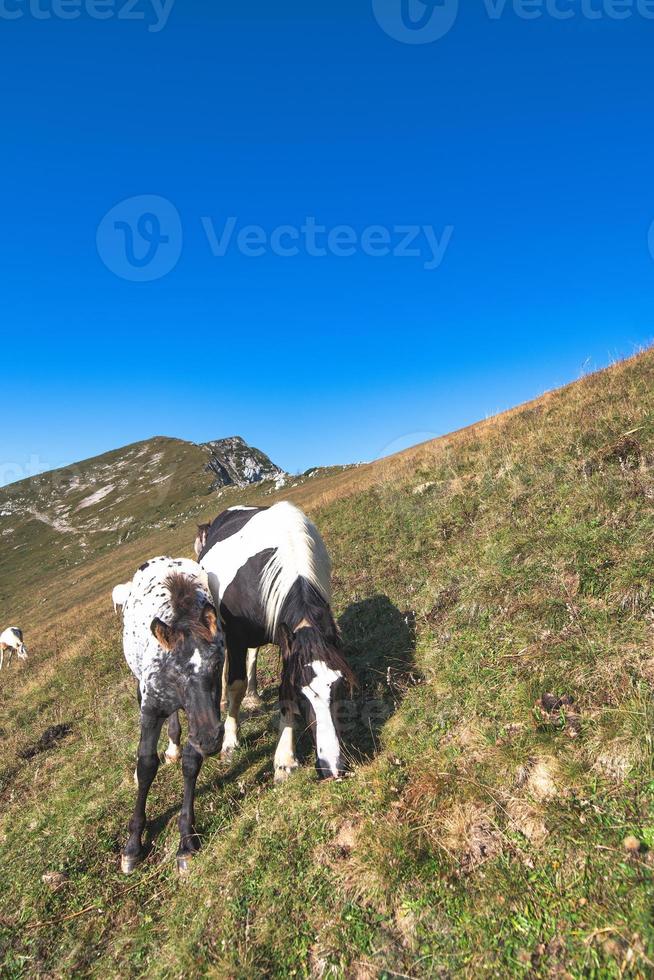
<point x="187" y="611"/>
<point x="319" y="640"/>
<point x="299" y="553"/>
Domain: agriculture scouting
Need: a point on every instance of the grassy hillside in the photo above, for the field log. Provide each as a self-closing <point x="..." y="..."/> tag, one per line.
<point x="496" y="594"/>
<point x="54" y="521"/>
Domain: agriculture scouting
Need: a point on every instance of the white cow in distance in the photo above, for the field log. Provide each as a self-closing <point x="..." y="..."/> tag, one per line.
<point x="12" y="640"/>
<point x="119" y="594"/>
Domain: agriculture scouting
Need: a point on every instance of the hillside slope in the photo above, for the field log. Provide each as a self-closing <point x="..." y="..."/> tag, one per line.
<point x="63" y="517"/>
<point x="495" y="593"/>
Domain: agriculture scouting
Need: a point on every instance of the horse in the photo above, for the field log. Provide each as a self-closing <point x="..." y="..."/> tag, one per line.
<point x="119" y="594"/>
<point x="174" y="646"/>
<point x="251" y="700"/>
<point x="11" y="640"/>
<point x="270" y="575"/>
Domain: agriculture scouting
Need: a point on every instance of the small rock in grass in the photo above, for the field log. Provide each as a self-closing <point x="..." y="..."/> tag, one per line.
<point x="54" y="879"/>
<point x="631" y="844"/>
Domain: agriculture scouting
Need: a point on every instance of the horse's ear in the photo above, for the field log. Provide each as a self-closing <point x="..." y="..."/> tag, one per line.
<point x="209" y="618"/>
<point x="201" y="538"/>
<point x="163" y="633"/>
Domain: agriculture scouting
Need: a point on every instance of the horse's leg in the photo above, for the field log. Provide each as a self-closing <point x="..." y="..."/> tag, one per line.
<point x="146" y="770"/>
<point x="223" y="686"/>
<point x="189" y="842"/>
<point x="138" y="698"/>
<point x="235" y="690"/>
<point x="285" y="761"/>
<point x="2" y="654"/>
<point x="252" y="701"/>
<point x="173" y="752"/>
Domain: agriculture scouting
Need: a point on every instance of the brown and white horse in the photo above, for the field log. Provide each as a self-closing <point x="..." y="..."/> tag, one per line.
<point x="270" y="575"/>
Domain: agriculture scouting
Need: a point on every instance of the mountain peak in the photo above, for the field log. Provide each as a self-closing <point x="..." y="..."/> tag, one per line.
<point x="235" y="463"/>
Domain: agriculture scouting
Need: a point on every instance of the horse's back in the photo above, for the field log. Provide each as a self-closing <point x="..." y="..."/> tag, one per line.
<point x="229" y="523"/>
<point x="255" y="556"/>
<point x="149" y="598"/>
<point x="10" y="635"/>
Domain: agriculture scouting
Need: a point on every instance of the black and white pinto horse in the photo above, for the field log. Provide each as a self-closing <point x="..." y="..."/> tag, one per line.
<point x="270" y="575"/>
<point x="175" y="648"/>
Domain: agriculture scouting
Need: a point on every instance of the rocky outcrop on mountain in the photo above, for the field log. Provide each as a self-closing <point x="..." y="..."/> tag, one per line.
<point x="233" y="463"/>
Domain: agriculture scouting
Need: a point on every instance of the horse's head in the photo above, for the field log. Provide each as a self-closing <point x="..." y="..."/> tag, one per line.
<point x="201" y="538"/>
<point x="315" y="676"/>
<point x="192" y="671"/>
<point x="21" y="649"/>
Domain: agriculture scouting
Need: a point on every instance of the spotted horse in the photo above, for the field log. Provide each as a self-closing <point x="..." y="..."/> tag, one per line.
<point x="174" y="645"/>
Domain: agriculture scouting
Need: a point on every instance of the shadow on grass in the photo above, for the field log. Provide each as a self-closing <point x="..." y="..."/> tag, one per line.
<point x="225" y="777"/>
<point x="380" y="643"/>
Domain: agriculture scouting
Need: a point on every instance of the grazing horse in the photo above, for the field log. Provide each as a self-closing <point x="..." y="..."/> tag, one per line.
<point x="270" y="573"/>
<point x="251" y="700"/>
<point x="12" y="640"/>
<point x="119" y="594"/>
<point x="174" y="646"/>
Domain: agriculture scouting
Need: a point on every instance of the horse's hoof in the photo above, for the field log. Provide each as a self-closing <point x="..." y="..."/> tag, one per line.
<point x="282" y="773"/>
<point x="252" y="703"/>
<point x="128" y="862"/>
<point x="227" y="753"/>
<point x="171" y="758"/>
<point x="184" y="864"/>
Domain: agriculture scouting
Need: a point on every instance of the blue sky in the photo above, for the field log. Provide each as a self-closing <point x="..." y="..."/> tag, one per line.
<point x="523" y="146"/>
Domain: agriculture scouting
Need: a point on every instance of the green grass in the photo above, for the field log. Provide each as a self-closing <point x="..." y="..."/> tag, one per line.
<point x="479" y="835"/>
